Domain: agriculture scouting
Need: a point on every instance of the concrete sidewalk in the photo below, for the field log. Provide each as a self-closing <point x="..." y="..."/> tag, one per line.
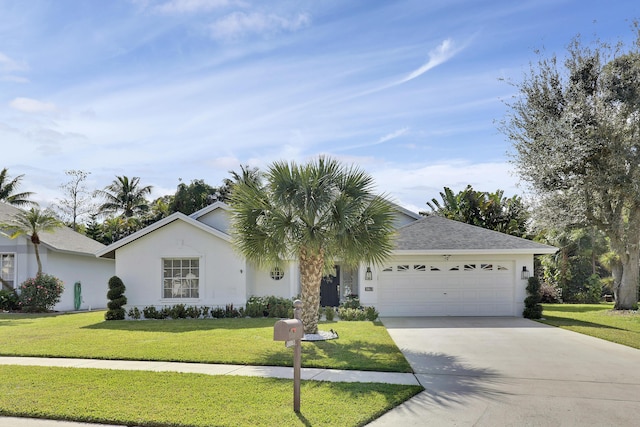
<point x="315" y="374"/>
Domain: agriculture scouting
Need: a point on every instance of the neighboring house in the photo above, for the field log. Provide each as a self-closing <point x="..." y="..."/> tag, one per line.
<point x="439" y="268"/>
<point x="68" y="255"/>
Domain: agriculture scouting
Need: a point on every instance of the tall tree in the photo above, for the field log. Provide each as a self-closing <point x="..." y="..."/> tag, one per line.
<point x="192" y="197"/>
<point x="316" y="213"/>
<point x="32" y="223"/>
<point x="125" y="196"/>
<point x="575" y="127"/>
<point x="9" y="188"/>
<point x="78" y="201"/>
<point x="483" y="209"/>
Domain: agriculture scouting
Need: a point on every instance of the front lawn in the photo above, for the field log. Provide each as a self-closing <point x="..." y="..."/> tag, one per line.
<point x="361" y="346"/>
<point x="189" y="400"/>
<point x="597" y="320"/>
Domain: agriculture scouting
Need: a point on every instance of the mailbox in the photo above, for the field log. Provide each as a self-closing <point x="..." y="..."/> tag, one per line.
<point x="288" y="330"/>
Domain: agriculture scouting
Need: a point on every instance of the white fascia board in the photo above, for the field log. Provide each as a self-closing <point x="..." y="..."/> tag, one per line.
<point x="178" y="216"/>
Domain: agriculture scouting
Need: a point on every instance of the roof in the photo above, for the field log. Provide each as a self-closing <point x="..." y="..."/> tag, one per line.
<point x="435" y="234"/>
<point x="62" y="239"/>
<point x="109" y="251"/>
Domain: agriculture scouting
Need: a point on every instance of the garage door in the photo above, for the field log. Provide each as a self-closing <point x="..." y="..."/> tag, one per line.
<point x="410" y="288"/>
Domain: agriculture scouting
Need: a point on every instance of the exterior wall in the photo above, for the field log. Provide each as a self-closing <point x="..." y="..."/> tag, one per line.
<point x="260" y="283"/>
<point x="93" y="274"/>
<point x="218" y="219"/>
<point x="368" y="289"/>
<point x="222" y="272"/>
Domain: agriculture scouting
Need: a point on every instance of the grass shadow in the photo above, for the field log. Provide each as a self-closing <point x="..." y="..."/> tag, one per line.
<point x="569" y="322"/>
<point x="182" y="325"/>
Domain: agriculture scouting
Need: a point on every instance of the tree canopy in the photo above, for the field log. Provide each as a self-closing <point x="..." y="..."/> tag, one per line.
<point x="575" y="128"/>
<point x="125" y="196"/>
<point x="317" y="213"/>
<point x="487" y="210"/>
<point x="9" y="188"/>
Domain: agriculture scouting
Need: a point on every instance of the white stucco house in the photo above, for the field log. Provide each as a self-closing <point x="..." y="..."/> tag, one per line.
<point x="68" y="255"/>
<point x="440" y="267"/>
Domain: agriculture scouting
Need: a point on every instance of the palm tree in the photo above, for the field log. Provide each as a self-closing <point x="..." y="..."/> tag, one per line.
<point x="316" y="213"/>
<point x="126" y="196"/>
<point x="8" y="189"/>
<point x="31" y="223"/>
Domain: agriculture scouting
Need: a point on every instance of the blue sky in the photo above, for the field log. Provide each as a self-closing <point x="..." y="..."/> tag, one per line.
<point x="189" y="89"/>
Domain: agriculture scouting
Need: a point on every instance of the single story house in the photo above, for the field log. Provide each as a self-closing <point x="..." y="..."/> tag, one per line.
<point x="65" y="254"/>
<point x="440" y="267"/>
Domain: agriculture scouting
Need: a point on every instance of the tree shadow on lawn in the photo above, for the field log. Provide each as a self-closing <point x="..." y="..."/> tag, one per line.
<point x="334" y="354"/>
<point x="449" y="381"/>
<point x="564" y="321"/>
<point x="182" y="325"/>
<point x="576" y="308"/>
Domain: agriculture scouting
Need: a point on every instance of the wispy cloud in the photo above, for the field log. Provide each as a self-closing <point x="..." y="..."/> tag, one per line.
<point x="240" y="24"/>
<point x="28" y="105"/>
<point x="441" y="54"/>
<point x="191" y="6"/>
<point x="9" y="67"/>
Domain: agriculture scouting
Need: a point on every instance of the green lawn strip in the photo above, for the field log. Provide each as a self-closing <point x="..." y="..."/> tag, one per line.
<point x="173" y="399"/>
<point x="596" y="320"/>
<point x="361" y="346"/>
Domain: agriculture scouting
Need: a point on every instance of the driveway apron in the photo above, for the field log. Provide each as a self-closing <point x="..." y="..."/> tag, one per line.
<point x="513" y="372"/>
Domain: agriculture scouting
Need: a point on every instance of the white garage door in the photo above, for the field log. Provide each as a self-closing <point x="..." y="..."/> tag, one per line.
<point x="410" y="288"/>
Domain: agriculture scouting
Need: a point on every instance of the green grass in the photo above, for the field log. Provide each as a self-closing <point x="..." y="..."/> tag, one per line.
<point x="172" y="399"/>
<point x="361" y="346"/>
<point x="596" y="320"/>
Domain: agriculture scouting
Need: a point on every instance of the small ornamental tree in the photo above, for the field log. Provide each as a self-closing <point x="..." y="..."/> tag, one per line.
<point x="532" y="307"/>
<point x="116" y="299"/>
<point x="41" y="293"/>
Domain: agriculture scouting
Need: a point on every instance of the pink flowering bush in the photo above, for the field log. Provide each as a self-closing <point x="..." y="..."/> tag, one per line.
<point x="41" y="293"/>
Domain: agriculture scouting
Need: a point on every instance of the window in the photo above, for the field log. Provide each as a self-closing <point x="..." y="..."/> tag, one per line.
<point x="8" y="269"/>
<point x="420" y="267"/>
<point x="402" y="268"/>
<point x="277" y="273"/>
<point x="180" y="278"/>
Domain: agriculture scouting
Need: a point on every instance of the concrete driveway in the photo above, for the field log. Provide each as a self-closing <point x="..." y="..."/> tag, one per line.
<point x="513" y="372"/>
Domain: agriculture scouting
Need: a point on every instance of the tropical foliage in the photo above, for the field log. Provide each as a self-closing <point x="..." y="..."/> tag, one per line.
<point x="32" y="223"/>
<point x="125" y="196"/>
<point x="488" y="210"/>
<point x="9" y="188"/>
<point x="316" y="213"/>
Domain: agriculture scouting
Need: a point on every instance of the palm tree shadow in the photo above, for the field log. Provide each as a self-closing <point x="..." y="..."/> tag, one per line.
<point x="449" y="381"/>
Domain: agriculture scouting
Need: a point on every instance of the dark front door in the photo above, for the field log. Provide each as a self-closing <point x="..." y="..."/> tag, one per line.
<point x="330" y="290"/>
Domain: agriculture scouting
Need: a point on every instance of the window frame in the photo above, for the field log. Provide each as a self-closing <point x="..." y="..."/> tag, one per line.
<point x="13" y="255"/>
<point x="168" y="285"/>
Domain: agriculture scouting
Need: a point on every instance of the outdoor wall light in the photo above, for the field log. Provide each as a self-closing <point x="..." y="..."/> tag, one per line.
<point x="368" y="275"/>
<point x="525" y="273"/>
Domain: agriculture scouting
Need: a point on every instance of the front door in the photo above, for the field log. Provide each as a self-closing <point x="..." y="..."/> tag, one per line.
<point x="330" y="289"/>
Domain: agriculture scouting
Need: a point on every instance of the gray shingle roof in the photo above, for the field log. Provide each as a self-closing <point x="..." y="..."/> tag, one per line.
<point x="62" y="240"/>
<point x="434" y="233"/>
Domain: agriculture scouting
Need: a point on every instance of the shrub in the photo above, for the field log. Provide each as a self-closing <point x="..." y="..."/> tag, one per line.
<point x="8" y="300"/>
<point x="532" y="307"/>
<point x="150" y="312"/>
<point x="351" y="314"/>
<point x="217" y="313"/>
<point x="134" y="313"/>
<point x="352" y="301"/>
<point x="116" y="297"/>
<point x="549" y="293"/>
<point x="178" y="311"/>
<point x="193" y="312"/>
<point x="371" y="313"/>
<point x="41" y="293"/>
<point x="269" y="306"/>
<point x="230" y="312"/>
<point x="165" y="312"/>
<point x="329" y="313"/>
<point x="204" y="312"/>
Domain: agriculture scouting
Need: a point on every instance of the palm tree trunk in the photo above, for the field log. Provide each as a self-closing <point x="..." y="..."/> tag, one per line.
<point x="311" y="265"/>
<point x="35" y="246"/>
